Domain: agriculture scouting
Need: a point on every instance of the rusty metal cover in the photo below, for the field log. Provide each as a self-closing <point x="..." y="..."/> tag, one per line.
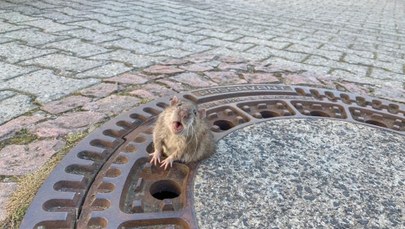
<point x="107" y="182"/>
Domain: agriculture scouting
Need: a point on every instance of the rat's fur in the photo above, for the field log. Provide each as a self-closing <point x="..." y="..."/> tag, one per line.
<point x="189" y="142"/>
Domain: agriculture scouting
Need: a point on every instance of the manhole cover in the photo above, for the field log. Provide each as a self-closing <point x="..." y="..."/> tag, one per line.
<point x="107" y="182"/>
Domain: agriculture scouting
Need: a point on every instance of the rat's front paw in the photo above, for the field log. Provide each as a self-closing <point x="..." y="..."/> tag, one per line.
<point x="155" y="158"/>
<point x="166" y="162"/>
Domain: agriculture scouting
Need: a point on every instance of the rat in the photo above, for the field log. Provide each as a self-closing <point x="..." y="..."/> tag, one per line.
<point x="182" y="134"/>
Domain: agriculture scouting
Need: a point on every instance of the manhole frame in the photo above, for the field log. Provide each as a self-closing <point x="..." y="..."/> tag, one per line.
<point x="72" y="183"/>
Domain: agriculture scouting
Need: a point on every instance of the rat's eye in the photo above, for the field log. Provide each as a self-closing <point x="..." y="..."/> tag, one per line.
<point x="179" y="104"/>
<point x="195" y="112"/>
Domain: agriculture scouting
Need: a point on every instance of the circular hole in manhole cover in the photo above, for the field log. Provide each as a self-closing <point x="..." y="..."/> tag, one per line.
<point x="165" y="189"/>
<point x="268" y="114"/>
<point x="223" y="124"/>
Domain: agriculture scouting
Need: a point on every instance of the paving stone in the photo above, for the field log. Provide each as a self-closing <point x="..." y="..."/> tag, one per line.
<point x="200" y="67"/>
<point x="162" y="69"/>
<point x="49" y="25"/>
<point x="179" y="36"/>
<point x="17" y="124"/>
<point x="351" y="87"/>
<point x="129" y="58"/>
<point x="272" y="44"/>
<point x="78" y="47"/>
<point x="193" y="80"/>
<point x="235" y="66"/>
<point x="222" y="36"/>
<point x="89" y="35"/>
<point x="6" y="190"/>
<point x="65" y="104"/>
<point x="152" y="91"/>
<point x="6" y="27"/>
<point x="9" y="71"/>
<point x="15" y="106"/>
<point x="231" y="45"/>
<point x="16" y="17"/>
<point x="6" y="94"/>
<point x="128" y="78"/>
<point x="301" y="80"/>
<point x="137" y="36"/>
<point x="137" y="47"/>
<point x="225" y="77"/>
<point x="391" y="93"/>
<point x="112" y="105"/>
<point x="100" y="90"/>
<point x="176" y="86"/>
<point x="269" y="52"/>
<point x="67" y="124"/>
<point x="46" y="86"/>
<point x="33" y="36"/>
<point x="14" y="52"/>
<point x="187" y="46"/>
<point x="24" y="159"/>
<point x="105" y="71"/>
<point x="63" y="62"/>
<point x="393" y="67"/>
<point x="260" y="78"/>
<point x="96" y="26"/>
<point x="175" y="53"/>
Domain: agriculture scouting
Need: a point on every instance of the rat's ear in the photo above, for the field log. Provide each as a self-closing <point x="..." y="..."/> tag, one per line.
<point x="174" y="101"/>
<point x="202" y="113"/>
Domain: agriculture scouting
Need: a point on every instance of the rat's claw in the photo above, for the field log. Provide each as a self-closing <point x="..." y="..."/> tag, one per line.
<point x="166" y="162"/>
<point x="155" y="158"/>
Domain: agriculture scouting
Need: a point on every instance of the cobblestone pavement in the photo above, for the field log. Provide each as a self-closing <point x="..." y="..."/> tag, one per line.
<point x="64" y="61"/>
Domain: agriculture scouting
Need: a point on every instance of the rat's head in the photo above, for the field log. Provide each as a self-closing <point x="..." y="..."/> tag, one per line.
<point x="185" y="116"/>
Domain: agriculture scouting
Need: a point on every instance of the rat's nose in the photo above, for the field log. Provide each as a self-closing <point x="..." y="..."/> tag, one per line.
<point x="184" y="114"/>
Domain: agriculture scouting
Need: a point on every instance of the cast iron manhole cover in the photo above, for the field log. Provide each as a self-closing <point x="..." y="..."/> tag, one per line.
<point x="107" y="182"/>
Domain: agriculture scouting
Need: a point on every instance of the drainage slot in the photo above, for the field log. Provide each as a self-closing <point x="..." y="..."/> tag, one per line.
<point x="319" y="114"/>
<point x="224" y="124"/>
<point x="268" y="114"/>
<point x="376" y="123"/>
<point x="165" y="189"/>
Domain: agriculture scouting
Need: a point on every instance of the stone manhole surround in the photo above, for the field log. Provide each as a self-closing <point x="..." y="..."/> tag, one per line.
<point x="84" y="189"/>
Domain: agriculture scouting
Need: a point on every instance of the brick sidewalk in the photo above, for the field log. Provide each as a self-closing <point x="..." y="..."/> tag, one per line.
<point x="66" y="67"/>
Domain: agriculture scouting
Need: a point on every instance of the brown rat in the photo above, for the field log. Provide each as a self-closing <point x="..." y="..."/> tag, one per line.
<point x="182" y="134"/>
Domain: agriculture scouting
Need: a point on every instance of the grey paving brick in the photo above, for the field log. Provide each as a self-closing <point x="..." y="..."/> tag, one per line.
<point x="46" y="86"/>
<point x="222" y="36"/>
<point x="96" y="26"/>
<point x="33" y="37"/>
<point x="71" y="11"/>
<point x="6" y="94"/>
<point x="386" y="75"/>
<point x="393" y="67"/>
<point x="140" y="27"/>
<point x="176" y="53"/>
<point x="49" y="26"/>
<point x="287" y="64"/>
<point x="78" y="47"/>
<point x="169" y="33"/>
<point x="270" y="52"/>
<point x="180" y="28"/>
<point x="137" y="47"/>
<point x="6" y="27"/>
<point x="89" y="35"/>
<point x="228" y="52"/>
<point x="59" y="16"/>
<point x="15" y="106"/>
<point x="272" y="44"/>
<point x="352" y="68"/>
<point x="231" y="45"/>
<point x="330" y="47"/>
<point x="15" y="17"/>
<point x="5" y="40"/>
<point x="14" y="52"/>
<point x="191" y="47"/>
<point x="8" y="71"/>
<point x="129" y="58"/>
<point x="334" y="55"/>
<point x="104" y="71"/>
<point x="104" y="19"/>
<point x="137" y="36"/>
<point x="63" y="62"/>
